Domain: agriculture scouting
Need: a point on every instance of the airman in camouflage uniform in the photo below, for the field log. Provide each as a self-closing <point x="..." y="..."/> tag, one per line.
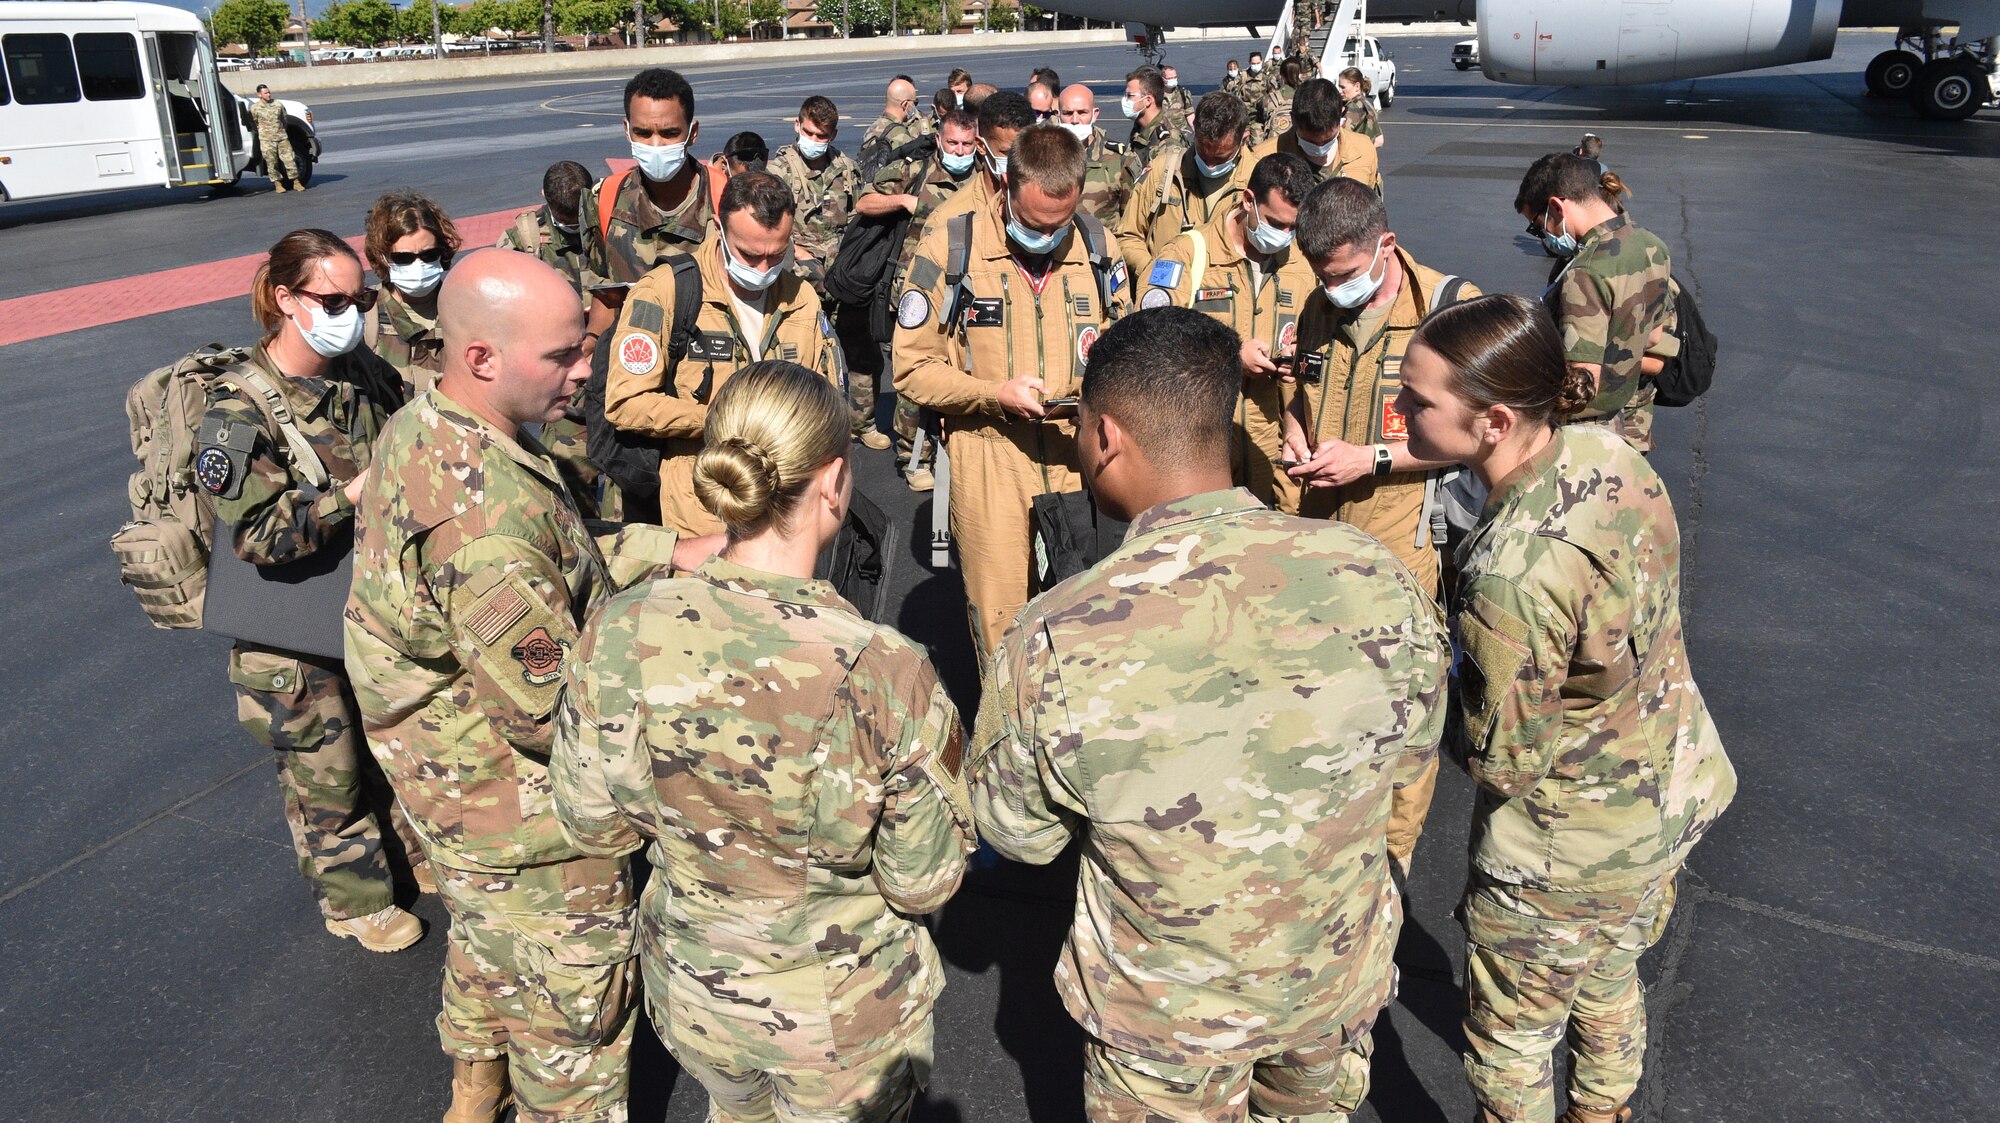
<point x="1231" y="791"/>
<point x="472" y="577"/>
<point x="406" y="337"/>
<point x="301" y="705"/>
<point x="537" y="232"/>
<point x="787" y="965"/>
<point x="899" y="124"/>
<point x="280" y="163"/>
<point x="1273" y="114"/>
<point x="1359" y="116"/>
<point x="1597" y="763"/>
<point x="1178" y="104"/>
<point x="823" y="189"/>
<point x="1104" y="183"/>
<point x="1156" y="134"/>
<point x="1256" y="82"/>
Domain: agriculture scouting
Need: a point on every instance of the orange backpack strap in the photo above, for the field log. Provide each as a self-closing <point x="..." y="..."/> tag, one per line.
<point x="718" y="178"/>
<point x="607" y="196"/>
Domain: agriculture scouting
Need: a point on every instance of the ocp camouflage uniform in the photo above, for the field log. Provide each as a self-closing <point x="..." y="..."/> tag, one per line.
<point x="1236" y="917"/>
<point x="1254" y="302"/>
<point x="471" y="579"/>
<point x="1104" y="184"/>
<point x="1597" y="763"/>
<point x="1636" y="419"/>
<point x="301" y="705"/>
<point x="280" y="163"/>
<point x="1149" y="143"/>
<point x="641" y="234"/>
<point x="1171" y="198"/>
<point x="406" y="339"/>
<point x="927" y="179"/>
<point x="795" y="773"/>
<point x="825" y="201"/>
<point x="638" y="398"/>
<point x="1612" y="297"/>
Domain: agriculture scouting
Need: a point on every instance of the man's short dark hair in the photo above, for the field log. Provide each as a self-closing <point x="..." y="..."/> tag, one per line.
<point x="261" y="87"/>
<point x="660" y="84"/>
<point x="563" y="186"/>
<point x="1046" y="75"/>
<point x="1560" y="175"/>
<point x="1256" y="56"/>
<point x="1005" y="110"/>
<point x="1286" y="173"/>
<point x="1171" y="378"/>
<point x="748" y="149"/>
<point x="1151" y="82"/>
<point x="903" y="78"/>
<point x="765" y="195"/>
<point x="1219" y="116"/>
<point x="1340" y="212"/>
<point x="1317" y="106"/>
<point x="821" y="111"/>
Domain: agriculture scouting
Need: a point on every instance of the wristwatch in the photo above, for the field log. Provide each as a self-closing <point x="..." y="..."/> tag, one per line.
<point x="1382" y="460"/>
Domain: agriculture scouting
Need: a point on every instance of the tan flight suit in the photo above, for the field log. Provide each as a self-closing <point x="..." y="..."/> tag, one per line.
<point x="1172" y="197"/>
<point x="1254" y="303"/>
<point x="637" y="400"/>
<point x="1349" y="373"/>
<point x="1004" y="330"/>
<point x="1354" y="156"/>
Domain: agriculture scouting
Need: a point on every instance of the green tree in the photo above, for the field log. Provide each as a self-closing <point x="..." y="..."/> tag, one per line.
<point x="363" y="22"/>
<point x="330" y="27"/>
<point x="522" y="17"/>
<point x="257" y="24"/>
<point x="578" y="16"/>
<point x="999" y="18"/>
<point x="768" y="14"/>
<point x="413" y="24"/>
<point x="481" y="17"/>
<point x="865" y="13"/>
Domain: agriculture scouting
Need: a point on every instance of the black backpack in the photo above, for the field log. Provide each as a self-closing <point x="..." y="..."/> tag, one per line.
<point x="632" y="460"/>
<point x="860" y="273"/>
<point x="1687" y="375"/>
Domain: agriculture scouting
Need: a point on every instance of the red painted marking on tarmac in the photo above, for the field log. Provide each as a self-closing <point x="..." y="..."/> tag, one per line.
<point x="148" y="294"/>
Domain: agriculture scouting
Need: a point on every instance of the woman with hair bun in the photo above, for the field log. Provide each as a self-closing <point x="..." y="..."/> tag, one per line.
<point x="1597" y="764"/>
<point x="1358" y="110"/>
<point x="795" y="771"/>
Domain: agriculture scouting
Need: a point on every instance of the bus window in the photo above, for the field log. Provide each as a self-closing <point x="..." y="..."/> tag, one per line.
<point x="5" y="97"/>
<point x="40" y="69"/>
<point x="109" y="65"/>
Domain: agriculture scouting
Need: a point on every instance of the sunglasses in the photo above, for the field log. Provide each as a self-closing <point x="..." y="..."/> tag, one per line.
<point x="411" y="257"/>
<point x="336" y="303"/>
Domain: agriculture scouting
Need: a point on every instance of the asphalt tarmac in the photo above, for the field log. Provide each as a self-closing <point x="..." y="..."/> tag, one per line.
<point x="1832" y="957"/>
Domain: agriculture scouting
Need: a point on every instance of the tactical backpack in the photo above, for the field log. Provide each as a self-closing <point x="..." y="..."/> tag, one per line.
<point x="863" y="269"/>
<point x="632" y="460"/>
<point x="1688" y="375"/>
<point x="163" y="550"/>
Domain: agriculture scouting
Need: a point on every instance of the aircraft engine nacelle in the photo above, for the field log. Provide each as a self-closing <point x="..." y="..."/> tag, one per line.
<point x="1623" y="42"/>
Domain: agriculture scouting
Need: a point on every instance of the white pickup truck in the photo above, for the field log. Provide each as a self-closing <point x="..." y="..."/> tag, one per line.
<point x="1366" y="54"/>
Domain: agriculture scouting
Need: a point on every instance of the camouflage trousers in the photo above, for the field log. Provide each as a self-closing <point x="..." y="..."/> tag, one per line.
<point x="1321" y="1082"/>
<point x="538" y="971"/>
<point x="278" y="155"/>
<point x="335" y="795"/>
<point x="876" y="1087"/>
<point x="1542" y="964"/>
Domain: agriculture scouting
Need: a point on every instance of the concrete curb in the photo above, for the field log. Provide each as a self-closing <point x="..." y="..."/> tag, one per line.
<point x="363" y="74"/>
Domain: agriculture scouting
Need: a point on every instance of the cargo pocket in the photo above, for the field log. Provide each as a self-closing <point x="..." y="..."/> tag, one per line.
<point x="273" y="703"/>
<point x="1492" y="650"/>
<point x="584" y="986"/>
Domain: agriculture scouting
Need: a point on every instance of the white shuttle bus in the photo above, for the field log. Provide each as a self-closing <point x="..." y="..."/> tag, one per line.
<point x="108" y="95"/>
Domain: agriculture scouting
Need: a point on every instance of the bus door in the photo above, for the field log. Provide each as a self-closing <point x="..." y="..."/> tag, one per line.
<point x="197" y="115"/>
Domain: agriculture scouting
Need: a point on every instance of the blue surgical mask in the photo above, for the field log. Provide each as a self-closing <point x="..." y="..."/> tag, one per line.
<point x="1216" y="172"/>
<point x="1267" y="238"/>
<point x="659" y="162"/>
<point x="1256" y="67"/>
<point x="332" y="336"/>
<point x="1563" y="244"/>
<point x="956" y="165"/>
<point x="997" y="164"/>
<point x="754" y="280"/>
<point x="1360" y="289"/>
<point x="418" y="278"/>
<point x="811" y="149"/>
<point x="1318" y="153"/>
<point x="1032" y="242"/>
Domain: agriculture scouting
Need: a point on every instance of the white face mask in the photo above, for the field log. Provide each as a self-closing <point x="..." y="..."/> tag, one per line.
<point x="660" y="162"/>
<point x="811" y="149"/>
<point x="1267" y="238"/>
<point x="1129" y="107"/>
<point x="752" y="280"/>
<point x="1173" y="83"/>
<point x="418" y="278"/>
<point x="1361" y="288"/>
<point x="1079" y="129"/>
<point x="331" y="336"/>
<point x="1318" y="153"/>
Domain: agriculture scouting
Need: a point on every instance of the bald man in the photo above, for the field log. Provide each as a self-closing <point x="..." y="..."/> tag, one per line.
<point x="899" y="124"/>
<point x="1042" y="99"/>
<point x="1104" y="185"/>
<point x="978" y="92"/>
<point x="472" y="575"/>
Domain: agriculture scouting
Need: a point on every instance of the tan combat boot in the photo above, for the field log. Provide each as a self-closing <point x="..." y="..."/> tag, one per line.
<point x="278" y="185"/>
<point x="479" y="1091"/>
<point x="921" y="480"/>
<point x="876" y="439"/>
<point x="392" y="929"/>
<point x="298" y="185"/>
<point x="1580" y="1114"/>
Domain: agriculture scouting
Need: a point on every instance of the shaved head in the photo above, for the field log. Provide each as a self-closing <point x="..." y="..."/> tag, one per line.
<point x="1077" y="96"/>
<point x="513" y="338"/>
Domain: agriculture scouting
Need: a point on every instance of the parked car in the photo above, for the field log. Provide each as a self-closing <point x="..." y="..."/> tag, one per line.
<point x="1378" y="65"/>
<point x="1465" y="55"/>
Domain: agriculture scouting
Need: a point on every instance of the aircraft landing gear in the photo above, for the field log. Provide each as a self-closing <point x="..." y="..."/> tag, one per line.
<point x="1946" y="79"/>
<point x="1892" y="73"/>
<point x="1150" y="40"/>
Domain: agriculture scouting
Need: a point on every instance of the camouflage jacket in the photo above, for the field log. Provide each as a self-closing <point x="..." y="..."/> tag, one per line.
<point x="1179" y="108"/>
<point x="1104" y="182"/>
<point x="794" y="771"/>
<point x="1609" y="300"/>
<point x="1150" y="142"/>
<point x="471" y="578"/>
<point x="1597" y="764"/>
<point x="268" y="116"/>
<point x="277" y="516"/>
<point x="1220" y="709"/>
<point x="930" y="183"/>
<point x="1272" y="114"/>
<point x="641" y="234"/>
<point x="536" y="232"/>
<point x="1359" y="116"/>
<point x="883" y="137"/>
<point x="406" y="339"/>
<point x="825" y="199"/>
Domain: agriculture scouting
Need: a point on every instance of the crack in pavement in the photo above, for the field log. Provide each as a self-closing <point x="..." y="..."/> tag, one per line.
<point x="1701" y="891"/>
<point x="218" y="829"/>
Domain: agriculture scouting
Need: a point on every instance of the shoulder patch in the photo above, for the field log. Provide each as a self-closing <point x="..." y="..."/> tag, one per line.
<point x="1156" y="298"/>
<point x="496" y="614"/>
<point x="924" y="273"/>
<point x="914" y="310"/>
<point x="1165" y="274"/>
<point x="216" y="470"/>
<point x="638" y="353"/>
<point x="1117" y="278"/>
<point x="541" y="657"/>
<point x="647" y="316"/>
<point x="825" y="326"/>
